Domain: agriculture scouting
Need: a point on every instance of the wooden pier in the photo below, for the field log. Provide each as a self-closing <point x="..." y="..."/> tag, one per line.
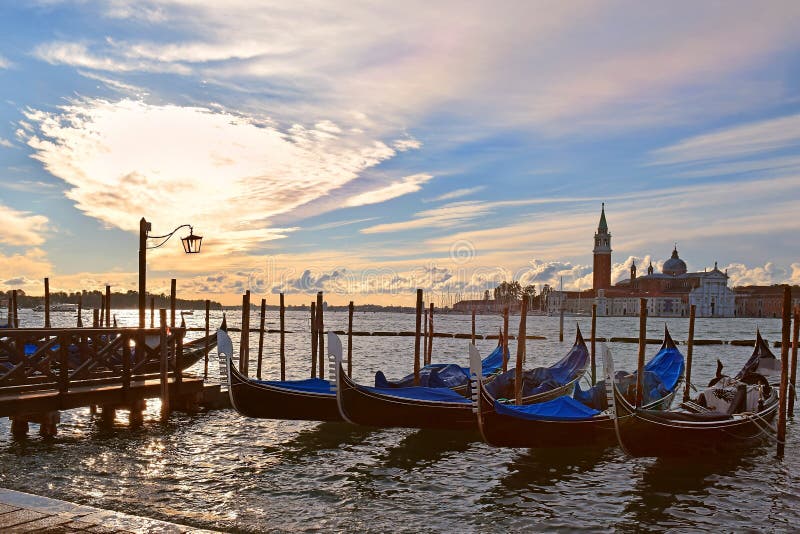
<point x="44" y="371"/>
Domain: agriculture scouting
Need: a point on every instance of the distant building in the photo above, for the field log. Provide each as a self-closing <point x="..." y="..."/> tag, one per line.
<point x="669" y="293"/>
<point x="762" y="301"/>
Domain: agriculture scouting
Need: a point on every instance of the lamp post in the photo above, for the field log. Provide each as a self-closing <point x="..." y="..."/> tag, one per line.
<point x="191" y="245"/>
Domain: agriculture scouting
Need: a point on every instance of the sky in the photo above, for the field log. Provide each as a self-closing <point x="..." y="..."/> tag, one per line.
<point x="367" y="149"/>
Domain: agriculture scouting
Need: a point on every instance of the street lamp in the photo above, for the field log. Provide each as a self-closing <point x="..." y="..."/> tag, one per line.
<point x="191" y="245"/>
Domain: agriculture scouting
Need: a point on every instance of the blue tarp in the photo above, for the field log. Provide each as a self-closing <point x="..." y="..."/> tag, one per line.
<point x="542" y="379"/>
<point x="559" y="409"/>
<point x="661" y="377"/>
<point x="421" y="393"/>
<point x="443" y="374"/>
<point x="310" y="385"/>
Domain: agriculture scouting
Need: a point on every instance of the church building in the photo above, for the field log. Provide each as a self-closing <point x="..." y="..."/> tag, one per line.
<point x="669" y="293"/>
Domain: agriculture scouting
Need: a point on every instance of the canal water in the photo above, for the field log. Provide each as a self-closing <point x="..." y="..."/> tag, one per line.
<point x="223" y="471"/>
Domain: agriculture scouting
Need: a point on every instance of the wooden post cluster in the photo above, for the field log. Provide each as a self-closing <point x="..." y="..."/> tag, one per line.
<point x="521" y="339"/>
<point x="689" y="350"/>
<point x="506" y="354"/>
<point x="321" y="334"/>
<point x="283" y="338"/>
<point x="782" y="400"/>
<point x="416" y="336"/>
<point x="642" y="343"/>
<point x="314" y="339"/>
<point x="244" y="342"/>
<point x="261" y="337"/>
<point x="350" y="339"/>
<point x="47" y="303"/>
<point x="593" y="343"/>
<point x="793" y="376"/>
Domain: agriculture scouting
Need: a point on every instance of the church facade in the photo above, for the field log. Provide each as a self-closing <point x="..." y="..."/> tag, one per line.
<point x="669" y="293"/>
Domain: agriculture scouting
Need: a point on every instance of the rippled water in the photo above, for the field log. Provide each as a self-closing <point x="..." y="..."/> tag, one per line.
<point x="221" y="470"/>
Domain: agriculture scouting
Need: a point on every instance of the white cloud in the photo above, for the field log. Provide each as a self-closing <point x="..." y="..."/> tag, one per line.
<point x="445" y="216"/>
<point x="79" y="55"/>
<point x="6" y="143"/>
<point x="762" y="275"/>
<point x="4" y="63"/>
<point x="409" y="184"/>
<point x="409" y="143"/>
<point x="175" y="164"/>
<point x="21" y="228"/>
<point x="735" y="142"/>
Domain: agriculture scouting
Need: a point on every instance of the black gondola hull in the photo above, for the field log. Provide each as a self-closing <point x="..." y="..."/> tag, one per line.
<point x="265" y="401"/>
<point x="362" y="406"/>
<point x="643" y="433"/>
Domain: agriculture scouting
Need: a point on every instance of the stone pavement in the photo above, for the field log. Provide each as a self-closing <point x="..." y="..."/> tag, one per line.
<point x="23" y="512"/>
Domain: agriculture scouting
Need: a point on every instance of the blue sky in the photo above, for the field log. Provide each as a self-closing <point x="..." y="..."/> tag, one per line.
<point x="368" y="149"/>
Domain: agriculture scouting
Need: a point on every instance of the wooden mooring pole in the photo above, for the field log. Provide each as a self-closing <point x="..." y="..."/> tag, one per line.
<point x="793" y="376"/>
<point x="152" y="312"/>
<point x="79" y="324"/>
<point x="321" y="334"/>
<point x="593" y="343"/>
<point x="95" y="318"/>
<point x="164" y="364"/>
<point x="283" y="338"/>
<point x="244" y="340"/>
<point x="561" y="324"/>
<point x="782" y="400"/>
<point x="521" y="339"/>
<point x="261" y="337"/>
<point x="14" y="318"/>
<point x="417" y="332"/>
<point x="642" y="344"/>
<point x="350" y="339"/>
<point x="314" y="339"/>
<point x="473" y="326"/>
<point x="102" y="318"/>
<point x="47" y="303"/>
<point x="207" y="347"/>
<point x="506" y="354"/>
<point x="108" y="306"/>
<point x="425" y="337"/>
<point x="173" y="290"/>
<point x="687" y="392"/>
<point x="429" y="356"/>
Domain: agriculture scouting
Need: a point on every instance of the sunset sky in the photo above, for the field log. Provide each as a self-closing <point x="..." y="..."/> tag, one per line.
<point x="367" y="149"/>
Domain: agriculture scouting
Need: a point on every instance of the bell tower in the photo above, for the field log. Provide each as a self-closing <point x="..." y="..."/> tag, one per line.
<point x="601" y="277"/>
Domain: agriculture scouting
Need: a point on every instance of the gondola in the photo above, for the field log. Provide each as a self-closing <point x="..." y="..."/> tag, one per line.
<point x="447" y="375"/>
<point x="729" y="415"/>
<point x="565" y="421"/>
<point x="312" y="399"/>
<point x="425" y="407"/>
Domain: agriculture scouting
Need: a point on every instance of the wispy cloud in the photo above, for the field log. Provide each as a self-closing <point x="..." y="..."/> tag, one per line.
<point x="338" y="224"/>
<point x="736" y="142"/>
<point x="22" y="228"/>
<point x="6" y="143"/>
<point x="458" y="193"/>
<point x="4" y="63"/>
<point x="409" y="184"/>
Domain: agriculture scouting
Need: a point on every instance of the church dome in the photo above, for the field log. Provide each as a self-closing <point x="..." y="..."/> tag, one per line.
<point x="674" y="266"/>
